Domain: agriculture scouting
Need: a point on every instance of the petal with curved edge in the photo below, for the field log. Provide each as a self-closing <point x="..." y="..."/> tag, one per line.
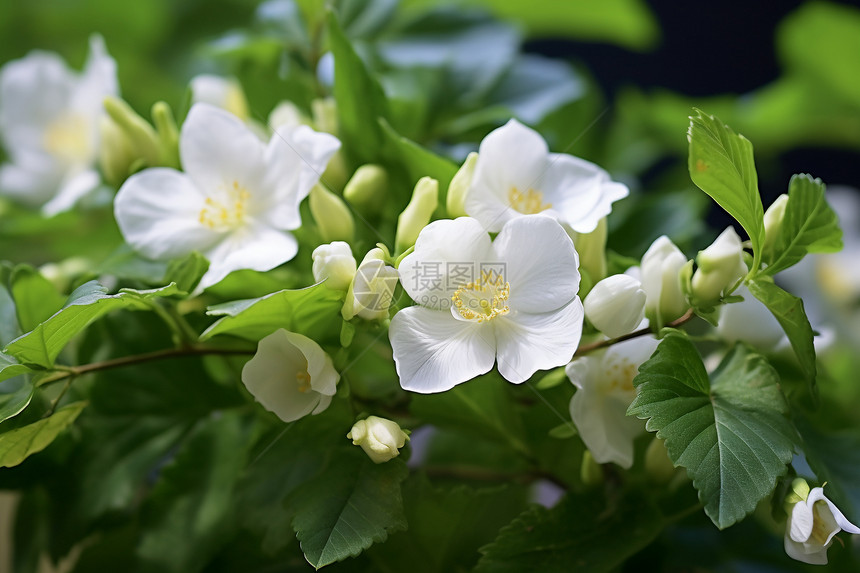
<point x="158" y="212"/>
<point x="32" y="182"/>
<point x="295" y="159"/>
<point x="447" y="255"/>
<point x="540" y="263"/>
<point x="803" y="553"/>
<point x="255" y="247"/>
<point x="510" y="157"/>
<point x="97" y="81"/>
<point x="527" y="343"/>
<point x="71" y="191"/>
<point x="324" y="377"/>
<point x="433" y="351"/>
<point x="220" y="153"/>
<point x="603" y="424"/>
<point x="270" y="376"/>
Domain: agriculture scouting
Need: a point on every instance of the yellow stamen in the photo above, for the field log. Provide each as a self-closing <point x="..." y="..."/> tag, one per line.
<point x="225" y="214"/>
<point x="69" y="138"/>
<point x="304" y="380"/>
<point x="528" y="203"/>
<point x="483" y="299"/>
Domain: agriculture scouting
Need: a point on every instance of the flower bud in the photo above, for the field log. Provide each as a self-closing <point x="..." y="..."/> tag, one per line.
<point x="138" y="133"/>
<point x="287" y="113"/>
<point x="616" y="305"/>
<point x="380" y="439"/>
<point x="720" y="266"/>
<point x="225" y="93"/>
<point x="590" y="471"/>
<point x="168" y="134"/>
<point x="661" y="267"/>
<point x="367" y="187"/>
<point x="773" y="221"/>
<point x="416" y="215"/>
<point x="459" y="187"/>
<point x="335" y="264"/>
<point x="372" y="290"/>
<point x="592" y="251"/>
<point x="657" y="462"/>
<point x="331" y="214"/>
<point x="115" y="153"/>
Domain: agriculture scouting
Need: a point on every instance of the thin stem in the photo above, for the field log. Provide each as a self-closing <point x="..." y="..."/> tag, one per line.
<point x="74" y="371"/>
<point x="585" y="349"/>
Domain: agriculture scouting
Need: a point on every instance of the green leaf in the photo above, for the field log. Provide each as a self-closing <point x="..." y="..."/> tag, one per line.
<point x="16" y="445"/>
<point x="417" y="160"/>
<point x="15" y="395"/>
<point x="721" y="164"/>
<point x="9" y="329"/>
<point x="352" y="505"/>
<point x="187" y="271"/>
<point x="309" y="310"/>
<point x="835" y="459"/>
<point x="360" y="99"/>
<point x="192" y="499"/>
<point x="36" y="298"/>
<point x="730" y="432"/>
<point x="87" y="303"/>
<point x="583" y="532"/>
<point x="808" y="226"/>
<point x="788" y="311"/>
<point x="9" y="367"/>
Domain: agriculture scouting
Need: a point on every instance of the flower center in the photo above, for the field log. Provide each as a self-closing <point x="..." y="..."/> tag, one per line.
<point x="821" y="526"/>
<point x="227" y="213"/>
<point x="483" y="299"/>
<point x="304" y="380"/>
<point x="618" y="377"/>
<point x="528" y="203"/>
<point x="69" y="139"/>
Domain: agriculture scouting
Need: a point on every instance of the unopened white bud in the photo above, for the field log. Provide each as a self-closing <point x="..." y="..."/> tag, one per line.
<point x="773" y="221"/>
<point x="417" y="213"/>
<point x="616" y="305"/>
<point x="335" y="264"/>
<point x="661" y="267"/>
<point x="372" y="290"/>
<point x="380" y="439"/>
<point x="721" y="265"/>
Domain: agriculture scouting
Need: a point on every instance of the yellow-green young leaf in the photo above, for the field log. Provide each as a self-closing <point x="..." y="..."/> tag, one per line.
<point x="583" y="532"/>
<point x="808" y="226"/>
<point x="36" y="298"/>
<point x="729" y="431"/>
<point x="788" y="311"/>
<point x="16" y="445"/>
<point x="721" y="164"/>
<point x="88" y="302"/>
<point x="187" y="271"/>
<point x="351" y="505"/>
<point x="308" y="311"/>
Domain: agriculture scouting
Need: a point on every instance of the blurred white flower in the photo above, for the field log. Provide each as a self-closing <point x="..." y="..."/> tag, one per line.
<point x="234" y="202"/>
<point x="749" y="321"/>
<point x="811" y="526"/>
<point x="221" y="92"/>
<point x="604" y="392"/>
<point x="616" y="305"/>
<point x="380" y="439"/>
<point x="514" y="299"/>
<point x="49" y="124"/>
<point x="515" y="174"/>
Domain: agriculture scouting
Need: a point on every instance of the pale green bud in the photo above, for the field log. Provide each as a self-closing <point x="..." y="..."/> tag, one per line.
<point x="661" y="267"/>
<point x="140" y="136"/>
<point x="459" y="187"/>
<point x="372" y="290"/>
<point x="799" y="492"/>
<point x="335" y="264"/>
<point x="168" y="134"/>
<point x="332" y="215"/>
<point x="416" y="215"/>
<point x="592" y="250"/>
<point x="287" y="113"/>
<point x="381" y="439"/>
<point x="115" y="153"/>
<point x="657" y="462"/>
<point x="616" y="305"/>
<point x="590" y="471"/>
<point x="367" y="187"/>
<point x="721" y="266"/>
<point x="324" y="112"/>
<point x="773" y="221"/>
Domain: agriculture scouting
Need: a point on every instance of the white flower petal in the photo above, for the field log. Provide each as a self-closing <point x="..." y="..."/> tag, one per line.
<point x="71" y="191"/>
<point x="527" y="343"/>
<point x="158" y="212"/>
<point x="433" y="351"/>
<point x="510" y="157"/>
<point x="324" y="377"/>
<point x="604" y="426"/>
<point x="446" y="254"/>
<point x="31" y="183"/>
<point x="540" y="263"/>
<point x="801" y="552"/>
<point x="97" y="81"/>
<point x="295" y="159"/>
<point x="218" y="150"/>
<point x="254" y="247"/>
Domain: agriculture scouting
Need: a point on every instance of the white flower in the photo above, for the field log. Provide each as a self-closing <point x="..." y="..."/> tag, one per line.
<point x="372" y="290"/>
<point x="811" y="527"/>
<point x="661" y="281"/>
<point x="514" y="299"/>
<point x="49" y="124"/>
<point x="235" y="200"/>
<point x="225" y="93"/>
<point x="380" y="439"/>
<point x="616" y="305"/>
<point x="604" y="392"/>
<point x="749" y="321"/>
<point x="334" y="262"/>
<point x="721" y="265"/>
<point x="290" y="375"/>
<point x="515" y="175"/>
